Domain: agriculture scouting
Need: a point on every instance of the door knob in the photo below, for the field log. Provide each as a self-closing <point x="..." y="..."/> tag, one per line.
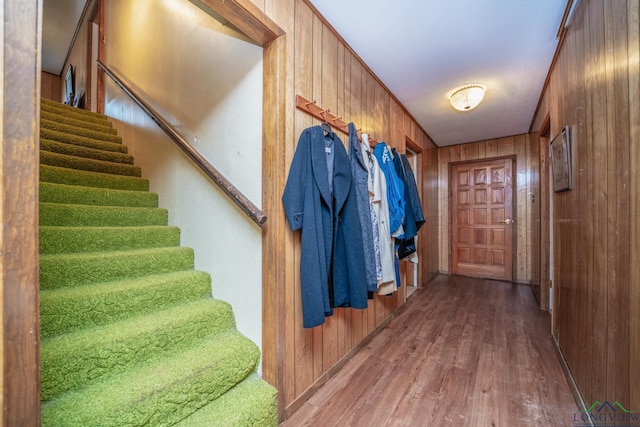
<point x="507" y="221"/>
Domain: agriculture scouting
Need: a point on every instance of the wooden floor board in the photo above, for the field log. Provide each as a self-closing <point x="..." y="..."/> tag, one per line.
<point x="465" y="352"/>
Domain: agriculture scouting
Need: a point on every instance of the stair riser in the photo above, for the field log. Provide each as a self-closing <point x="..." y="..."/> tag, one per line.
<point x="68" y="111"/>
<point x="129" y="332"/>
<point x="53" y="214"/>
<point x="234" y="409"/>
<point x="102" y="126"/>
<point x="72" y="162"/>
<point x="59" y="271"/>
<point x="84" y="132"/>
<point x="85" y="152"/>
<point x="78" y="195"/>
<point x="82" y="141"/>
<point x="58" y="175"/>
<point x="61" y="240"/>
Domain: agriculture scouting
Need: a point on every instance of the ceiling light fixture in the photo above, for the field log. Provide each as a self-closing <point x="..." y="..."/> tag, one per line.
<point x="467" y="97"/>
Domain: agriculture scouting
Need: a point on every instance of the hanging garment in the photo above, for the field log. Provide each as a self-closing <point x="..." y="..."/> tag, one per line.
<point x="413" y="200"/>
<point x="395" y="200"/>
<point x="318" y="200"/>
<point x="412" y="196"/>
<point x="360" y="174"/>
<point x="395" y="188"/>
<point x="378" y="189"/>
<point x="409" y="221"/>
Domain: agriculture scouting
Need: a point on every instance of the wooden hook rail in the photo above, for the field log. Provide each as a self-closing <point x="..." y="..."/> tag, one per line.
<point x="310" y="107"/>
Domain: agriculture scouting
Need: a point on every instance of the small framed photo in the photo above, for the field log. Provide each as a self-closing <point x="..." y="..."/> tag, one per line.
<point x="561" y="160"/>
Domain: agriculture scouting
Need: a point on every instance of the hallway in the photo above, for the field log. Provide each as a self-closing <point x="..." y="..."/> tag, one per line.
<point x="465" y="352"/>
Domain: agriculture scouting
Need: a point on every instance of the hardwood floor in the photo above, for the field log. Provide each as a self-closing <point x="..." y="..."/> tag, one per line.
<point x="465" y="352"/>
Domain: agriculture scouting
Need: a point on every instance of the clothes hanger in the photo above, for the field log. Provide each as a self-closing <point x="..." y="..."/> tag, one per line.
<point x="326" y="128"/>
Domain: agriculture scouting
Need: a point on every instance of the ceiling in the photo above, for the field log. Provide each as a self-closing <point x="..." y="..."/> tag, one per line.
<point x="59" y="21"/>
<point x="421" y="50"/>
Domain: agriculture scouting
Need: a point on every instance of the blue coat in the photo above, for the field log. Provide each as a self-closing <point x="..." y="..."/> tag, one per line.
<point x="318" y="199"/>
<point x="395" y="187"/>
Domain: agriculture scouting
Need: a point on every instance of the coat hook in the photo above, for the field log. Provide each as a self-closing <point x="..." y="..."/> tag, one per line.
<point x="309" y="102"/>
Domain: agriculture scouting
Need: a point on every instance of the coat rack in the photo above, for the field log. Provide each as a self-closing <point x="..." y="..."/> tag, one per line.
<point x="310" y="107"/>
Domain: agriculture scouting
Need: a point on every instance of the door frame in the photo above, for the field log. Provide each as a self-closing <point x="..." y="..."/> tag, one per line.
<point x="408" y="268"/>
<point x="545" y="215"/>
<point x="514" y="186"/>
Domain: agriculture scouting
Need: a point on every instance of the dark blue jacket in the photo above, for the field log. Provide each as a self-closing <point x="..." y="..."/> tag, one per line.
<point x="332" y="272"/>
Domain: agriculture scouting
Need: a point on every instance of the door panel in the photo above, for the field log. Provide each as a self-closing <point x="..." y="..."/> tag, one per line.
<point x="482" y="224"/>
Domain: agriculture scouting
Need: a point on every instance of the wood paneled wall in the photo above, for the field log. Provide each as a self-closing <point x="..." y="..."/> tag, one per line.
<point x="313" y="61"/>
<point x="51" y="87"/>
<point x="594" y="88"/>
<point x="525" y="150"/>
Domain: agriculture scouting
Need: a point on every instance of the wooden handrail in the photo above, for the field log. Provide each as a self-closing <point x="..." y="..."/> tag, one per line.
<point x="229" y="189"/>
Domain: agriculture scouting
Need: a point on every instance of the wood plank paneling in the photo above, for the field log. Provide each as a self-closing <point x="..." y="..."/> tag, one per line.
<point x="594" y="89"/>
<point x="299" y="344"/>
<point x="323" y="68"/>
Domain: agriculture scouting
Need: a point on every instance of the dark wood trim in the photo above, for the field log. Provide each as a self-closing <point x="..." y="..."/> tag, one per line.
<point x="273" y="245"/>
<point x="100" y="76"/>
<point x="247" y="18"/>
<point x="545" y="221"/>
<point x="582" y="407"/>
<point x="409" y="143"/>
<point x="246" y="205"/>
<point x="19" y="176"/>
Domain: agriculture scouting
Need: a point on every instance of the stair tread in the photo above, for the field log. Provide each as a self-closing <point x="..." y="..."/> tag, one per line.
<point x="82" y="140"/>
<point x="52" y="115"/>
<point x="130" y="334"/>
<point x="83" y="151"/>
<point x="160" y="393"/>
<point x="69" y="309"/>
<point x="60" y="108"/>
<point x="67" y="270"/>
<point x="85" y="131"/>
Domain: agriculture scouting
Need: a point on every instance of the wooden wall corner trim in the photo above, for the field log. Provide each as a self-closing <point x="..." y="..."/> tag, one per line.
<point x="273" y="245"/>
<point x="247" y="18"/>
<point x="19" y="176"/>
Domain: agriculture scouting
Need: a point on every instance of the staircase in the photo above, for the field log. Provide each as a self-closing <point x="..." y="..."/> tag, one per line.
<point x="130" y="335"/>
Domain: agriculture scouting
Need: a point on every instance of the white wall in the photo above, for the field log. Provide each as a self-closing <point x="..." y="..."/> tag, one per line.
<point x="207" y="81"/>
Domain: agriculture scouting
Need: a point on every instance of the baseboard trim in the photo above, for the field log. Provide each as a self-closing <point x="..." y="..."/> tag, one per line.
<point x="570" y="380"/>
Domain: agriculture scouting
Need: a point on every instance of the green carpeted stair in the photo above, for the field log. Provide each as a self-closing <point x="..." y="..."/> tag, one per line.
<point x="130" y="335"/>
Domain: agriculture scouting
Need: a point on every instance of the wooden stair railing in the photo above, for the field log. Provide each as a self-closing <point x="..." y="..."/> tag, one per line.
<point x="251" y="210"/>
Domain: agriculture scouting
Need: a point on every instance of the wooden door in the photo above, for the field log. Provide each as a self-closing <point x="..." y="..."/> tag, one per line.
<point x="482" y="219"/>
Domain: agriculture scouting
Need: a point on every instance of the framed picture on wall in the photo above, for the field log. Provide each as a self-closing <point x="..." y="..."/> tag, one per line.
<point x="561" y="160"/>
